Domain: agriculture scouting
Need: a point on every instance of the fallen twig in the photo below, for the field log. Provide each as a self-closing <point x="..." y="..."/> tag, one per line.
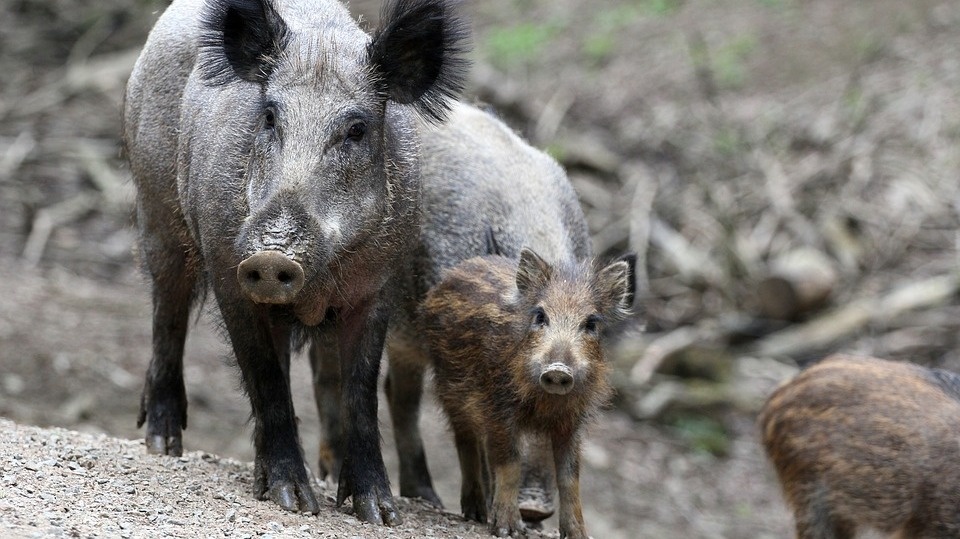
<point x="848" y="319"/>
<point x="51" y="217"/>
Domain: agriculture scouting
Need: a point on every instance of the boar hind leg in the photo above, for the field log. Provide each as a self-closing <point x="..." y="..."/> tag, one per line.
<point x="404" y="388"/>
<point x="325" y="362"/>
<point x="566" y="453"/>
<point x="363" y="476"/>
<point x="163" y="403"/>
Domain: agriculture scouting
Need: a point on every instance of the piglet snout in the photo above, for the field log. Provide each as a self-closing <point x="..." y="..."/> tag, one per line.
<point x="557" y="378"/>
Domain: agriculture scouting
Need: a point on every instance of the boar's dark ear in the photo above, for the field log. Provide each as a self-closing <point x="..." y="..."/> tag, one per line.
<point x="491" y="244"/>
<point x="533" y="272"/>
<point x="616" y="287"/>
<point x="418" y="55"/>
<point x="242" y="38"/>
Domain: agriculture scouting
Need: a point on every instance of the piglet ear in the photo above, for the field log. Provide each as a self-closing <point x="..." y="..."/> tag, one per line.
<point x="533" y="273"/>
<point x="242" y="38"/>
<point x="418" y="55"/>
<point x="616" y="287"/>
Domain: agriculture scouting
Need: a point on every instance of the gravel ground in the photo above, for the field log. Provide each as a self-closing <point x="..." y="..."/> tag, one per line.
<point x="63" y="483"/>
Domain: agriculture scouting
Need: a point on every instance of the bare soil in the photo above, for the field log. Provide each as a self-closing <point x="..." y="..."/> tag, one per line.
<point x="746" y="127"/>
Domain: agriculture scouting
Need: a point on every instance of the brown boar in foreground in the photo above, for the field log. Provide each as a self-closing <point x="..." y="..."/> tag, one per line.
<point x="516" y="348"/>
<point x="864" y="443"/>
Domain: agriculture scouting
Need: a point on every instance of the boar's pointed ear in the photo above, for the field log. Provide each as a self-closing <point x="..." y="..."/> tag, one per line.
<point x="533" y="272"/>
<point x="616" y="287"/>
<point x="242" y="38"/>
<point x="490" y="242"/>
<point x="417" y="55"/>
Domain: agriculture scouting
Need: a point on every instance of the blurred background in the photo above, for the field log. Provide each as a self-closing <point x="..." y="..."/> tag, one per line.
<point x="786" y="171"/>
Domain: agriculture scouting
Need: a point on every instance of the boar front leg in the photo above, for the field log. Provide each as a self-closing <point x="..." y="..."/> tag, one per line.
<point x="566" y="454"/>
<point x="363" y="476"/>
<point x="262" y="347"/>
<point x="163" y="403"/>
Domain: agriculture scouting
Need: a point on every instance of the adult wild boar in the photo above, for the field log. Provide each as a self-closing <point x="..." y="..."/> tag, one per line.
<point x="476" y="174"/>
<point x="274" y="152"/>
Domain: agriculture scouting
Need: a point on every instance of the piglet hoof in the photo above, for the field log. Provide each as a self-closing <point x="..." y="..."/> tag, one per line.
<point x="573" y="533"/>
<point x="375" y="506"/>
<point x="474" y="508"/>
<point x="506" y="524"/>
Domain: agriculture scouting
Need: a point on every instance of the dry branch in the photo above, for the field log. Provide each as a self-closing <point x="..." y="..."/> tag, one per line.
<point x="50" y="218"/>
<point x="105" y="72"/>
<point x="799" y="281"/>
<point x="848" y="319"/>
<point x="15" y="154"/>
<point x="693" y="265"/>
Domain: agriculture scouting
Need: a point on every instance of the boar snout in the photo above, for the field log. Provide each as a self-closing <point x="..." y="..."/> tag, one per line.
<point x="557" y="378"/>
<point x="270" y="277"/>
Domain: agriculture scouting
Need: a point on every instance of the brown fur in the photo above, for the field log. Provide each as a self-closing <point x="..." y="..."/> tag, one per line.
<point x="860" y="442"/>
<point x="488" y="351"/>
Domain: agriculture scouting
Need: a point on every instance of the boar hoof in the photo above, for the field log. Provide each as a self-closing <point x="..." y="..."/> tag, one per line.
<point x="536" y="504"/>
<point x="425" y="493"/>
<point x="270" y="277"/>
<point x="294" y="498"/>
<point x="373" y="507"/>
<point x="159" y="444"/>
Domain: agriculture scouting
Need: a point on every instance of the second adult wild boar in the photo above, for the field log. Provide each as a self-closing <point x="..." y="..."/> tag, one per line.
<point x="273" y="147"/>
<point x="476" y="173"/>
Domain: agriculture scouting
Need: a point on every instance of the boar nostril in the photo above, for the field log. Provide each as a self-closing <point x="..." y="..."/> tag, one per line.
<point x="270" y="277"/>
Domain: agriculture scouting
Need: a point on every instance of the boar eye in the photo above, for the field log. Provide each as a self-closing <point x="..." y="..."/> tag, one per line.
<point x="540" y="318"/>
<point x="270" y="117"/>
<point x="592" y="324"/>
<point x="356" y="131"/>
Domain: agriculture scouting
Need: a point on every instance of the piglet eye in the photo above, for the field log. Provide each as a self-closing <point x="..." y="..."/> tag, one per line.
<point x="356" y="131"/>
<point x="592" y="324"/>
<point x="540" y="318"/>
